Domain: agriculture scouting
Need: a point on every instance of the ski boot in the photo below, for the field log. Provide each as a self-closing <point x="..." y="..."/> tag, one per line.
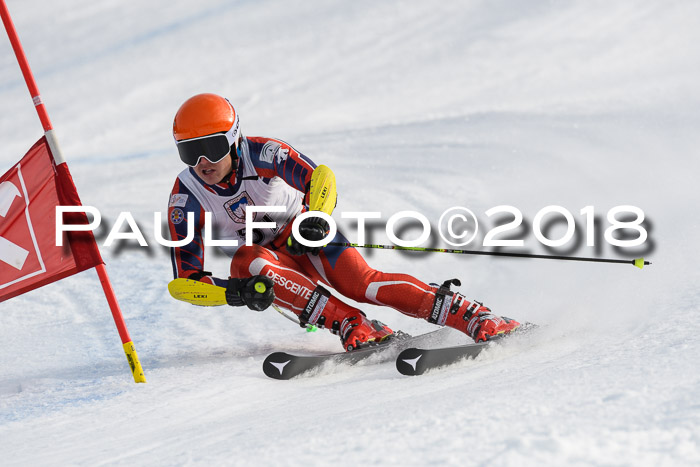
<point x="472" y="318"/>
<point x="352" y="325"/>
<point x="357" y="332"/>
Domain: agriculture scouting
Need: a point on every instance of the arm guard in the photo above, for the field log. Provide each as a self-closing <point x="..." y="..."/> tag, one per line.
<point x="322" y="190"/>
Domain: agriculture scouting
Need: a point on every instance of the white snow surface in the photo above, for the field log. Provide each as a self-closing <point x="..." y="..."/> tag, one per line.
<point x="416" y="106"/>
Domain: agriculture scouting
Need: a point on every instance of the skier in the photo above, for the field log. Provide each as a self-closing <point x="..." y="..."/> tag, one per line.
<point x="227" y="173"/>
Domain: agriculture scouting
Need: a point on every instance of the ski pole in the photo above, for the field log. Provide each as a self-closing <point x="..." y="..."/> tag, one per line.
<point x="308" y="327"/>
<point x="640" y="263"/>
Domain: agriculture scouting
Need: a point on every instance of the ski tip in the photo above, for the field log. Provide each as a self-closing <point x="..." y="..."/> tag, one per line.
<point x="275" y="364"/>
<point x="407" y="362"/>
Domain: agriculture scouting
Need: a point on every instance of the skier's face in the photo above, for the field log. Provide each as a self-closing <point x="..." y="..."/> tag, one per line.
<point x="213" y="173"/>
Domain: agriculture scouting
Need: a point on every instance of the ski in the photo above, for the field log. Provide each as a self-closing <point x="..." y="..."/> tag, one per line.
<point x="283" y="365"/>
<point x="416" y="361"/>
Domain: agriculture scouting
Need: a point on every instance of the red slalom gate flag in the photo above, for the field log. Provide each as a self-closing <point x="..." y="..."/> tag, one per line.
<point x="29" y="194"/>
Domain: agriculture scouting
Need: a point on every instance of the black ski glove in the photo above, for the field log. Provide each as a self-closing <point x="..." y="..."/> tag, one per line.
<point x="313" y="229"/>
<point x="257" y="292"/>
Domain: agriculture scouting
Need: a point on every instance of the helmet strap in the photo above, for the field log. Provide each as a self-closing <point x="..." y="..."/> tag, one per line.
<point x="231" y="176"/>
<point x="234" y="161"/>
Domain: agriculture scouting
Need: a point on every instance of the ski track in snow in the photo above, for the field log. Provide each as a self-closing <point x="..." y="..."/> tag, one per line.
<point x="415" y="106"/>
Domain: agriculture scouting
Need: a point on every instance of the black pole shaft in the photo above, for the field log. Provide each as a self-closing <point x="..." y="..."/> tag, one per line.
<point x="490" y="253"/>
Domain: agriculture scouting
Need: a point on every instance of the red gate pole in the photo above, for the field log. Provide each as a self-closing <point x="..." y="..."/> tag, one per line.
<point x="129" y="349"/>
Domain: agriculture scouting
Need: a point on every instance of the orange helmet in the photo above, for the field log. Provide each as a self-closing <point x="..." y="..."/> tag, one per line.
<point x="206" y="125"/>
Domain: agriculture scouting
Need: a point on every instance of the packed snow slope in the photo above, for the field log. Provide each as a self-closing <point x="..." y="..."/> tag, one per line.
<point x="416" y="106"/>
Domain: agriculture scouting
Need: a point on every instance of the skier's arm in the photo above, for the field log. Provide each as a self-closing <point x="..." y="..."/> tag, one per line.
<point x="322" y="194"/>
<point x="321" y="197"/>
<point x="188" y="260"/>
<point x="279" y="159"/>
<point x="256" y="292"/>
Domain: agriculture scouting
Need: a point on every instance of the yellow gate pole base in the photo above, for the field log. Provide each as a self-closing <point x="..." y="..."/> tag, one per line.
<point x="134" y="363"/>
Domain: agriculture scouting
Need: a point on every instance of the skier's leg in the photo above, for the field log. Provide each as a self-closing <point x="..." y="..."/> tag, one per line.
<point x="344" y="269"/>
<point x="298" y="292"/>
<point x="347" y="272"/>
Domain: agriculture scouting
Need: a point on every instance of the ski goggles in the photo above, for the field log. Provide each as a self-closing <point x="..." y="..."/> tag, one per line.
<point x="211" y="147"/>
